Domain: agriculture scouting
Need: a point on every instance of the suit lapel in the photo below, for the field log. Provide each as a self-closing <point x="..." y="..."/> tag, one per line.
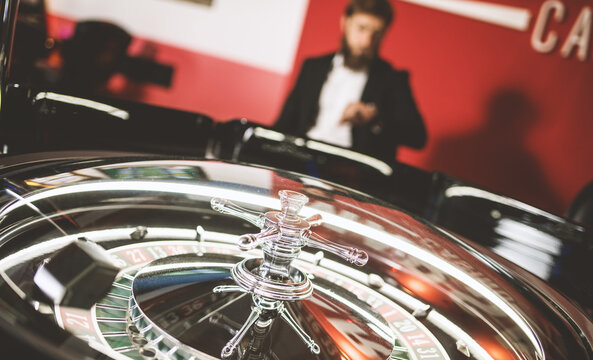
<point x="370" y="94"/>
<point x="372" y="89"/>
<point x="320" y="71"/>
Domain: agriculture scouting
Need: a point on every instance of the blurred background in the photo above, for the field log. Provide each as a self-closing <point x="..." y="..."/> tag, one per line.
<point x="504" y="86"/>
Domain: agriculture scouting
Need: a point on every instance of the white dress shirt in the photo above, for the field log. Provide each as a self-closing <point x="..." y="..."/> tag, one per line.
<point x="342" y="87"/>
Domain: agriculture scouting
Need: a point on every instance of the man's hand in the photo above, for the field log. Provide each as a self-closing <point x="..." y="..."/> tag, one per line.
<point x="358" y="113"/>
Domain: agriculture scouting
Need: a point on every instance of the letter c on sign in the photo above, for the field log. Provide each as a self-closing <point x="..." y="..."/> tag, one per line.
<point x="545" y="13"/>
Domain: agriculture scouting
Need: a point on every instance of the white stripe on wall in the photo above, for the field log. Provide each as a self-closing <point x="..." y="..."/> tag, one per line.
<point x="260" y="33"/>
<point x="503" y="15"/>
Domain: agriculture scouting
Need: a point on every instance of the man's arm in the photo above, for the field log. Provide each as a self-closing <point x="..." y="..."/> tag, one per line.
<point x="397" y="120"/>
<point x="358" y="113"/>
<point x="408" y="123"/>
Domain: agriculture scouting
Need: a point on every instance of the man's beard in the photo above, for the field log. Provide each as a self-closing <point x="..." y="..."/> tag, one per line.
<point x="356" y="62"/>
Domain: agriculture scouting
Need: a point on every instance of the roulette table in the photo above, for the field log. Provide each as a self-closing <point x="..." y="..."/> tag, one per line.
<point x="113" y="256"/>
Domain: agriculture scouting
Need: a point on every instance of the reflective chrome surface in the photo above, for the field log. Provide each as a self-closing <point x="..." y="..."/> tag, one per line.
<point x="422" y="295"/>
<point x="272" y="279"/>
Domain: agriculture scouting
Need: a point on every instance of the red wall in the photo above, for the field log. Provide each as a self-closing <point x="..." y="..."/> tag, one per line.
<point x="498" y="112"/>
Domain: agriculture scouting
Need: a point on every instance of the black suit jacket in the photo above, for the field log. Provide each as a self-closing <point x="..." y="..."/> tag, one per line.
<point x="398" y="121"/>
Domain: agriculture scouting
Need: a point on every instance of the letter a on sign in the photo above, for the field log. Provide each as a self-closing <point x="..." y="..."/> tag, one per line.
<point x="580" y="36"/>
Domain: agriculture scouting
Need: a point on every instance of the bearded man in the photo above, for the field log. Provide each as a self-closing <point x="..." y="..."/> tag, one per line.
<point x="352" y="98"/>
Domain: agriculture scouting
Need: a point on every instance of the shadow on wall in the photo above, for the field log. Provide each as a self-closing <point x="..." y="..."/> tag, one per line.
<point x="494" y="156"/>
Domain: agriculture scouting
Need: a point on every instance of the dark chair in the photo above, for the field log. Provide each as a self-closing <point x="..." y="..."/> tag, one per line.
<point x="553" y="248"/>
<point x="402" y="185"/>
<point x="48" y="121"/>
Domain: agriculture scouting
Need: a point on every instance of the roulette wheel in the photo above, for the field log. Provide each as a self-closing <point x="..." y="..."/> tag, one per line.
<point x="113" y="256"/>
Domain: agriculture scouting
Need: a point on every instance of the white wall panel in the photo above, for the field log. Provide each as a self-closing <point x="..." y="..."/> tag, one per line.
<point x="260" y="33"/>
